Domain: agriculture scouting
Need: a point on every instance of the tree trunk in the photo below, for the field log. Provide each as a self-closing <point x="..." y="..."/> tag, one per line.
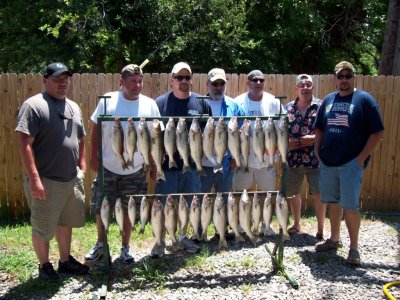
<point x="390" y="58"/>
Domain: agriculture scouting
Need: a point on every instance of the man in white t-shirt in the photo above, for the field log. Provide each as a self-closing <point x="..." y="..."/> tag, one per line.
<point x="256" y="102"/>
<point x="118" y="181"/>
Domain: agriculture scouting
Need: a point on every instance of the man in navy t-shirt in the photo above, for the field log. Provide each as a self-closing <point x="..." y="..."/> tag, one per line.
<point x="181" y="102"/>
<point x="349" y="127"/>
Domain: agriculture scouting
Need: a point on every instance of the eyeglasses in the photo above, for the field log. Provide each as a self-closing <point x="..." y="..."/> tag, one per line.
<point x="255" y="80"/>
<point x="216" y="84"/>
<point x="347" y="76"/>
<point x="304" y="84"/>
<point x="180" y="78"/>
<point x="68" y="113"/>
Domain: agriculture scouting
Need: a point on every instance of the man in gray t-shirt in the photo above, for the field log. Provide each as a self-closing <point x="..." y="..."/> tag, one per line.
<point x="50" y="134"/>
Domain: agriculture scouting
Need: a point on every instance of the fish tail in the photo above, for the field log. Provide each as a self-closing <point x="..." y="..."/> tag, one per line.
<point x="172" y="164"/>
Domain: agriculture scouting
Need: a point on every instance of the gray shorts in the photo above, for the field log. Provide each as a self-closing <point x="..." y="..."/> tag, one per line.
<point x="118" y="186"/>
<point x="64" y="206"/>
<point x="264" y="178"/>
<point x="295" y="178"/>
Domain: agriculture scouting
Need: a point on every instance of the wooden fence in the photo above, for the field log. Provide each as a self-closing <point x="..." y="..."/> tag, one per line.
<point x="381" y="186"/>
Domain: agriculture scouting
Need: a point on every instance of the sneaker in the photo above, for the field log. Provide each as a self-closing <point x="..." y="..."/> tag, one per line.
<point x="328" y="245"/>
<point x="189" y="245"/>
<point x="47" y="272"/>
<point x="126" y="255"/>
<point x="72" y="266"/>
<point x="95" y="253"/>
<point x="353" y="258"/>
<point x="319" y="236"/>
<point x="157" y="251"/>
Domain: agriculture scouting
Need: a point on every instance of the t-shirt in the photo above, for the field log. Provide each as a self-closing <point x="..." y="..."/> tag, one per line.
<point x="117" y="105"/>
<point x="346" y="122"/>
<point x="56" y="126"/>
<point x="171" y="106"/>
<point x="267" y="106"/>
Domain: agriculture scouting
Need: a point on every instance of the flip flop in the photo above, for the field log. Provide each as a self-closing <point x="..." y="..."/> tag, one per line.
<point x="293" y="231"/>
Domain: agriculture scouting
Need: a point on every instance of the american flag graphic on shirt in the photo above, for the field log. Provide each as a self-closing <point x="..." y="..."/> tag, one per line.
<point x="339" y="120"/>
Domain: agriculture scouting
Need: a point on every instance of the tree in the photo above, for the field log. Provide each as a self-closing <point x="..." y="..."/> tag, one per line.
<point x="390" y="59"/>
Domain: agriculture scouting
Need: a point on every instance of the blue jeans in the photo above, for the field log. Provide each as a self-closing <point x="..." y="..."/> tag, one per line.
<point x="176" y="183"/>
<point x="341" y="184"/>
<point x="221" y="182"/>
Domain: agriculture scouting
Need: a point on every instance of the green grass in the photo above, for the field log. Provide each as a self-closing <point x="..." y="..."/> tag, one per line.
<point x="150" y="274"/>
<point x="199" y="261"/>
<point x="248" y="262"/>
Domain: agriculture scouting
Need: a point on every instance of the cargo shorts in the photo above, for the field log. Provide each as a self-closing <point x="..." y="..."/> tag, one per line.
<point x="118" y="186"/>
<point x="64" y="206"/>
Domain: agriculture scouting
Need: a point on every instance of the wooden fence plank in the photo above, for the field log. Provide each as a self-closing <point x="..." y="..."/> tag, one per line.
<point x="380" y="189"/>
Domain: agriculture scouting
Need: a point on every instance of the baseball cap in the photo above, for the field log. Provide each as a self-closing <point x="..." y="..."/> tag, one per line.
<point x="255" y="73"/>
<point x="344" y="65"/>
<point x="131" y="70"/>
<point x="180" y="66"/>
<point x="216" y="74"/>
<point x="302" y="77"/>
<point x="55" y="69"/>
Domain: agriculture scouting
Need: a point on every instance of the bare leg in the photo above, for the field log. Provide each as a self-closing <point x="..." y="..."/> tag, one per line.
<point x="320" y="212"/>
<point x="63" y="237"/>
<point x="295" y="207"/>
<point x="99" y="226"/>
<point x="127" y="231"/>
<point x="335" y="217"/>
<point x="353" y="220"/>
<point x="41" y="248"/>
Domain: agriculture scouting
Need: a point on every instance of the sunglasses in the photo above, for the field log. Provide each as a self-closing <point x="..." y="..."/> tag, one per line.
<point x="255" y="80"/>
<point x="215" y="84"/>
<point x="180" y="78"/>
<point x="347" y="76"/>
<point x="68" y="113"/>
<point x="304" y="84"/>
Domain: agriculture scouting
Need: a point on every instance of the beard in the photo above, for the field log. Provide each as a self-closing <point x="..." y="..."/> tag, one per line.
<point x="184" y="87"/>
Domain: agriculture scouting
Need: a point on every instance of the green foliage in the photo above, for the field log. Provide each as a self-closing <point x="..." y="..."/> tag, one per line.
<point x="276" y="36"/>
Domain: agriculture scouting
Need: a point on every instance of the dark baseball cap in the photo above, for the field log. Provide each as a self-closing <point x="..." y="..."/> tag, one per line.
<point x="55" y="69"/>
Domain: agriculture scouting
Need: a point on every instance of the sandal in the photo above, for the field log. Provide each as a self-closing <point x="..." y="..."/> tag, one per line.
<point x="353" y="258"/>
<point x="328" y="245"/>
<point x="293" y="231"/>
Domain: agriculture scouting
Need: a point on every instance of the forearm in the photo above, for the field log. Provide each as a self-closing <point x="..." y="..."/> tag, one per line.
<point x="372" y="142"/>
<point x="82" y="155"/>
<point x="27" y="156"/>
<point x="318" y="142"/>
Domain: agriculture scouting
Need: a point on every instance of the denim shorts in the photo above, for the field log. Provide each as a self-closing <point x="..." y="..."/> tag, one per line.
<point x="221" y="182"/>
<point x="341" y="184"/>
<point x="295" y="179"/>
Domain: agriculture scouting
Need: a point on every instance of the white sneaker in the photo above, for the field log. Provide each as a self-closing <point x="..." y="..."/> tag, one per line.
<point x="95" y="253"/>
<point x="126" y="255"/>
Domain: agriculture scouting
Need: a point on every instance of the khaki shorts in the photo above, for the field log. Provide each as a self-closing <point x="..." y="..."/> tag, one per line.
<point x="295" y="178"/>
<point x="264" y="178"/>
<point x="64" y="206"/>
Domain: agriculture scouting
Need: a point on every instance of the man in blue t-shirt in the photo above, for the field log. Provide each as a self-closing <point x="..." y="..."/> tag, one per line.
<point x="181" y="102"/>
<point x="349" y="127"/>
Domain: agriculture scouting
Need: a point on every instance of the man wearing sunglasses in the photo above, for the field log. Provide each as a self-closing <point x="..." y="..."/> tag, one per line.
<point x="50" y="133"/>
<point x="118" y="181"/>
<point x="301" y="159"/>
<point x="349" y="127"/>
<point x="257" y="102"/>
<point x="221" y="105"/>
<point x="181" y="102"/>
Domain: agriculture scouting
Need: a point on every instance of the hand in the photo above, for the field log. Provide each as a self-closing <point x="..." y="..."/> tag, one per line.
<point x="294" y="144"/>
<point x="37" y="189"/>
<point x="307" y="140"/>
<point x="233" y="164"/>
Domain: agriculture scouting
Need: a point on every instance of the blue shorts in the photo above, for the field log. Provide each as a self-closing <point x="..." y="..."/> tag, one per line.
<point x="341" y="184"/>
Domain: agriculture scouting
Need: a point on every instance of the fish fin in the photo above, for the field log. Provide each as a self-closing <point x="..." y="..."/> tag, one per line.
<point x="185" y="169"/>
<point x="218" y="168"/>
<point x="172" y="164"/>
<point x="161" y="175"/>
